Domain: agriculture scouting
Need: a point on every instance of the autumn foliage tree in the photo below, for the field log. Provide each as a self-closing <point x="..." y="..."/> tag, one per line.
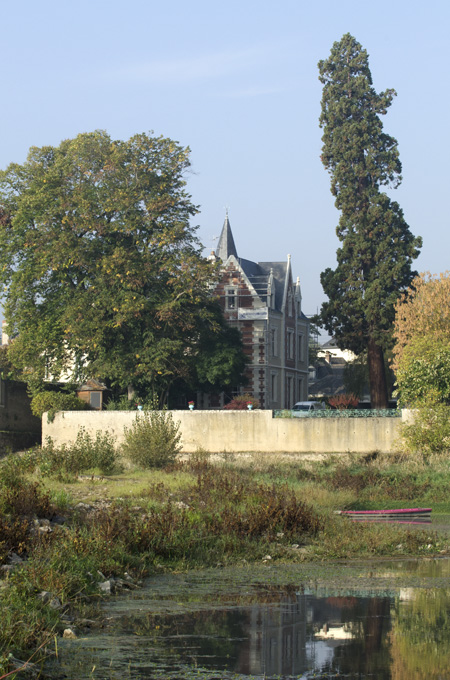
<point x="421" y="355"/>
<point x="102" y="272"/>
<point x="377" y="247"/>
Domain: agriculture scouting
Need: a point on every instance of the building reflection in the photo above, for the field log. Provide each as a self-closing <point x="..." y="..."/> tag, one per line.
<point x="299" y="633"/>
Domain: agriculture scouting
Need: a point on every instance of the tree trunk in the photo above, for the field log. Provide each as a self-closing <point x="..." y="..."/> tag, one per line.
<point x="377" y="376"/>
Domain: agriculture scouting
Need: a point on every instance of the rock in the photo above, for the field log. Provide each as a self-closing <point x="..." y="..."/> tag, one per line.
<point x="69" y="634"/>
<point x="14" y="558"/>
<point x="267" y="558"/>
<point x="84" y="507"/>
<point x="52" y="601"/>
<point x="106" y="587"/>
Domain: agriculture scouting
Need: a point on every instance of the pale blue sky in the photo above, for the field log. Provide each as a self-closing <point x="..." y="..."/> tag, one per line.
<point x="238" y="83"/>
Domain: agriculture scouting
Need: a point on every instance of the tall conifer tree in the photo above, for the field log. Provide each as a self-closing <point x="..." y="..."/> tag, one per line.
<point x="374" y="260"/>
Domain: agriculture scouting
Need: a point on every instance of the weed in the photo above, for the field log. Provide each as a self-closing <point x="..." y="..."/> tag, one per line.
<point x="153" y="441"/>
<point x="199" y="460"/>
<point x="26" y="499"/>
<point x="429" y="433"/>
<point x="84" y="454"/>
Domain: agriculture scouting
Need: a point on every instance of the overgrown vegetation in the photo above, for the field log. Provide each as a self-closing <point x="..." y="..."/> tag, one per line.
<point x="428" y="433"/>
<point x="55" y="401"/>
<point x="421" y="360"/>
<point x="196" y="512"/>
<point x="84" y="454"/>
<point x="153" y="440"/>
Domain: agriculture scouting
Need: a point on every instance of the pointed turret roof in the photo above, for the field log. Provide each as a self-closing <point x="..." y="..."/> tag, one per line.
<point x="226" y="246"/>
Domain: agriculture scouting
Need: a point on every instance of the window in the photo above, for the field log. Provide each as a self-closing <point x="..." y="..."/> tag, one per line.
<point x="301" y="349"/>
<point x="273" y="386"/>
<point x="95" y="400"/>
<point x="290" y="344"/>
<point x="273" y="342"/>
<point x="289" y="392"/>
<point x="231" y="298"/>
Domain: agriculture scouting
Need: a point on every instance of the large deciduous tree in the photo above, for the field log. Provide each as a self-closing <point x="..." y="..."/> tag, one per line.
<point x="422" y="341"/>
<point x="100" y="266"/>
<point x="374" y="260"/>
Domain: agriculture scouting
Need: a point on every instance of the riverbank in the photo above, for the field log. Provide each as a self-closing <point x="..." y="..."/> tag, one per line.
<point x="71" y="536"/>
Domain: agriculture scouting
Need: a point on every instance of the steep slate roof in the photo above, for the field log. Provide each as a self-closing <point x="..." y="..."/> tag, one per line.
<point x="226" y="246"/>
<point x="258" y="273"/>
<point x="260" y="279"/>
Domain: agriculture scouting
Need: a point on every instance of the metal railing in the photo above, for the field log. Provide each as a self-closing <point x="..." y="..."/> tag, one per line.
<point x="345" y="413"/>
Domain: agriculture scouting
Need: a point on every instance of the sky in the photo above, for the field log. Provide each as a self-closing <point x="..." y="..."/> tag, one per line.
<point x="238" y="83"/>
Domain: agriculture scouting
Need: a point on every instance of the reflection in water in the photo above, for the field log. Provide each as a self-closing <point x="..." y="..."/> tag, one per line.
<point x="420" y="637"/>
<point x="277" y="632"/>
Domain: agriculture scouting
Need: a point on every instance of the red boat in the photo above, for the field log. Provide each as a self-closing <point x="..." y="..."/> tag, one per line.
<point x="405" y="514"/>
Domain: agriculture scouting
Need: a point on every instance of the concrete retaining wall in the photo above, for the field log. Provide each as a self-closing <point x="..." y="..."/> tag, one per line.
<point x="242" y="431"/>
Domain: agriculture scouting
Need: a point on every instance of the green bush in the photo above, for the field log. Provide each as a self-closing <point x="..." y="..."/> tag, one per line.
<point x="153" y="440"/>
<point x="84" y="454"/>
<point x="121" y="404"/>
<point x="424" y="370"/>
<point x="429" y="433"/>
<point x="55" y="401"/>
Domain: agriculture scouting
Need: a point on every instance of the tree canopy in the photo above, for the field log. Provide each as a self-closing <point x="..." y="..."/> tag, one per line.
<point x="422" y="341"/>
<point x="102" y="272"/>
<point x="374" y="260"/>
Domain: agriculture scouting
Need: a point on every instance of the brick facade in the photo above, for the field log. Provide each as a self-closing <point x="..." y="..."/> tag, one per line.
<point x="262" y="300"/>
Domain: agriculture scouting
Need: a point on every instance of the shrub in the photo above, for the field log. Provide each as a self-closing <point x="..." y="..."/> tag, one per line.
<point x="240" y="402"/>
<point x="343" y="401"/>
<point x="121" y="404"/>
<point x="55" y="401"/>
<point x="424" y="369"/>
<point x="153" y="440"/>
<point x="429" y="433"/>
<point x="85" y="453"/>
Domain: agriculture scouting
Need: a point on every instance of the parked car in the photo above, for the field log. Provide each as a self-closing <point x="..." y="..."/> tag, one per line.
<point x="302" y="408"/>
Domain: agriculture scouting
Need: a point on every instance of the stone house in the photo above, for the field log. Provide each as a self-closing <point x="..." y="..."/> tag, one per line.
<point x="262" y="300"/>
<point x="19" y="429"/>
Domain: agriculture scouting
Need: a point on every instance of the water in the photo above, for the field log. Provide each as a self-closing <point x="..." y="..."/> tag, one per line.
<point x="380" y="621"/>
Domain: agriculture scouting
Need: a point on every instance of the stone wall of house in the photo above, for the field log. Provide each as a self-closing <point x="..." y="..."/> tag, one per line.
<point x="19" y="429"/>
<point x="243" y="431"/>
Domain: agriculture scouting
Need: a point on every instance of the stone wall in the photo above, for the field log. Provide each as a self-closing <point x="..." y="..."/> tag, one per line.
<point x="242" y="431"/>
<point x="19" y="429"/>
